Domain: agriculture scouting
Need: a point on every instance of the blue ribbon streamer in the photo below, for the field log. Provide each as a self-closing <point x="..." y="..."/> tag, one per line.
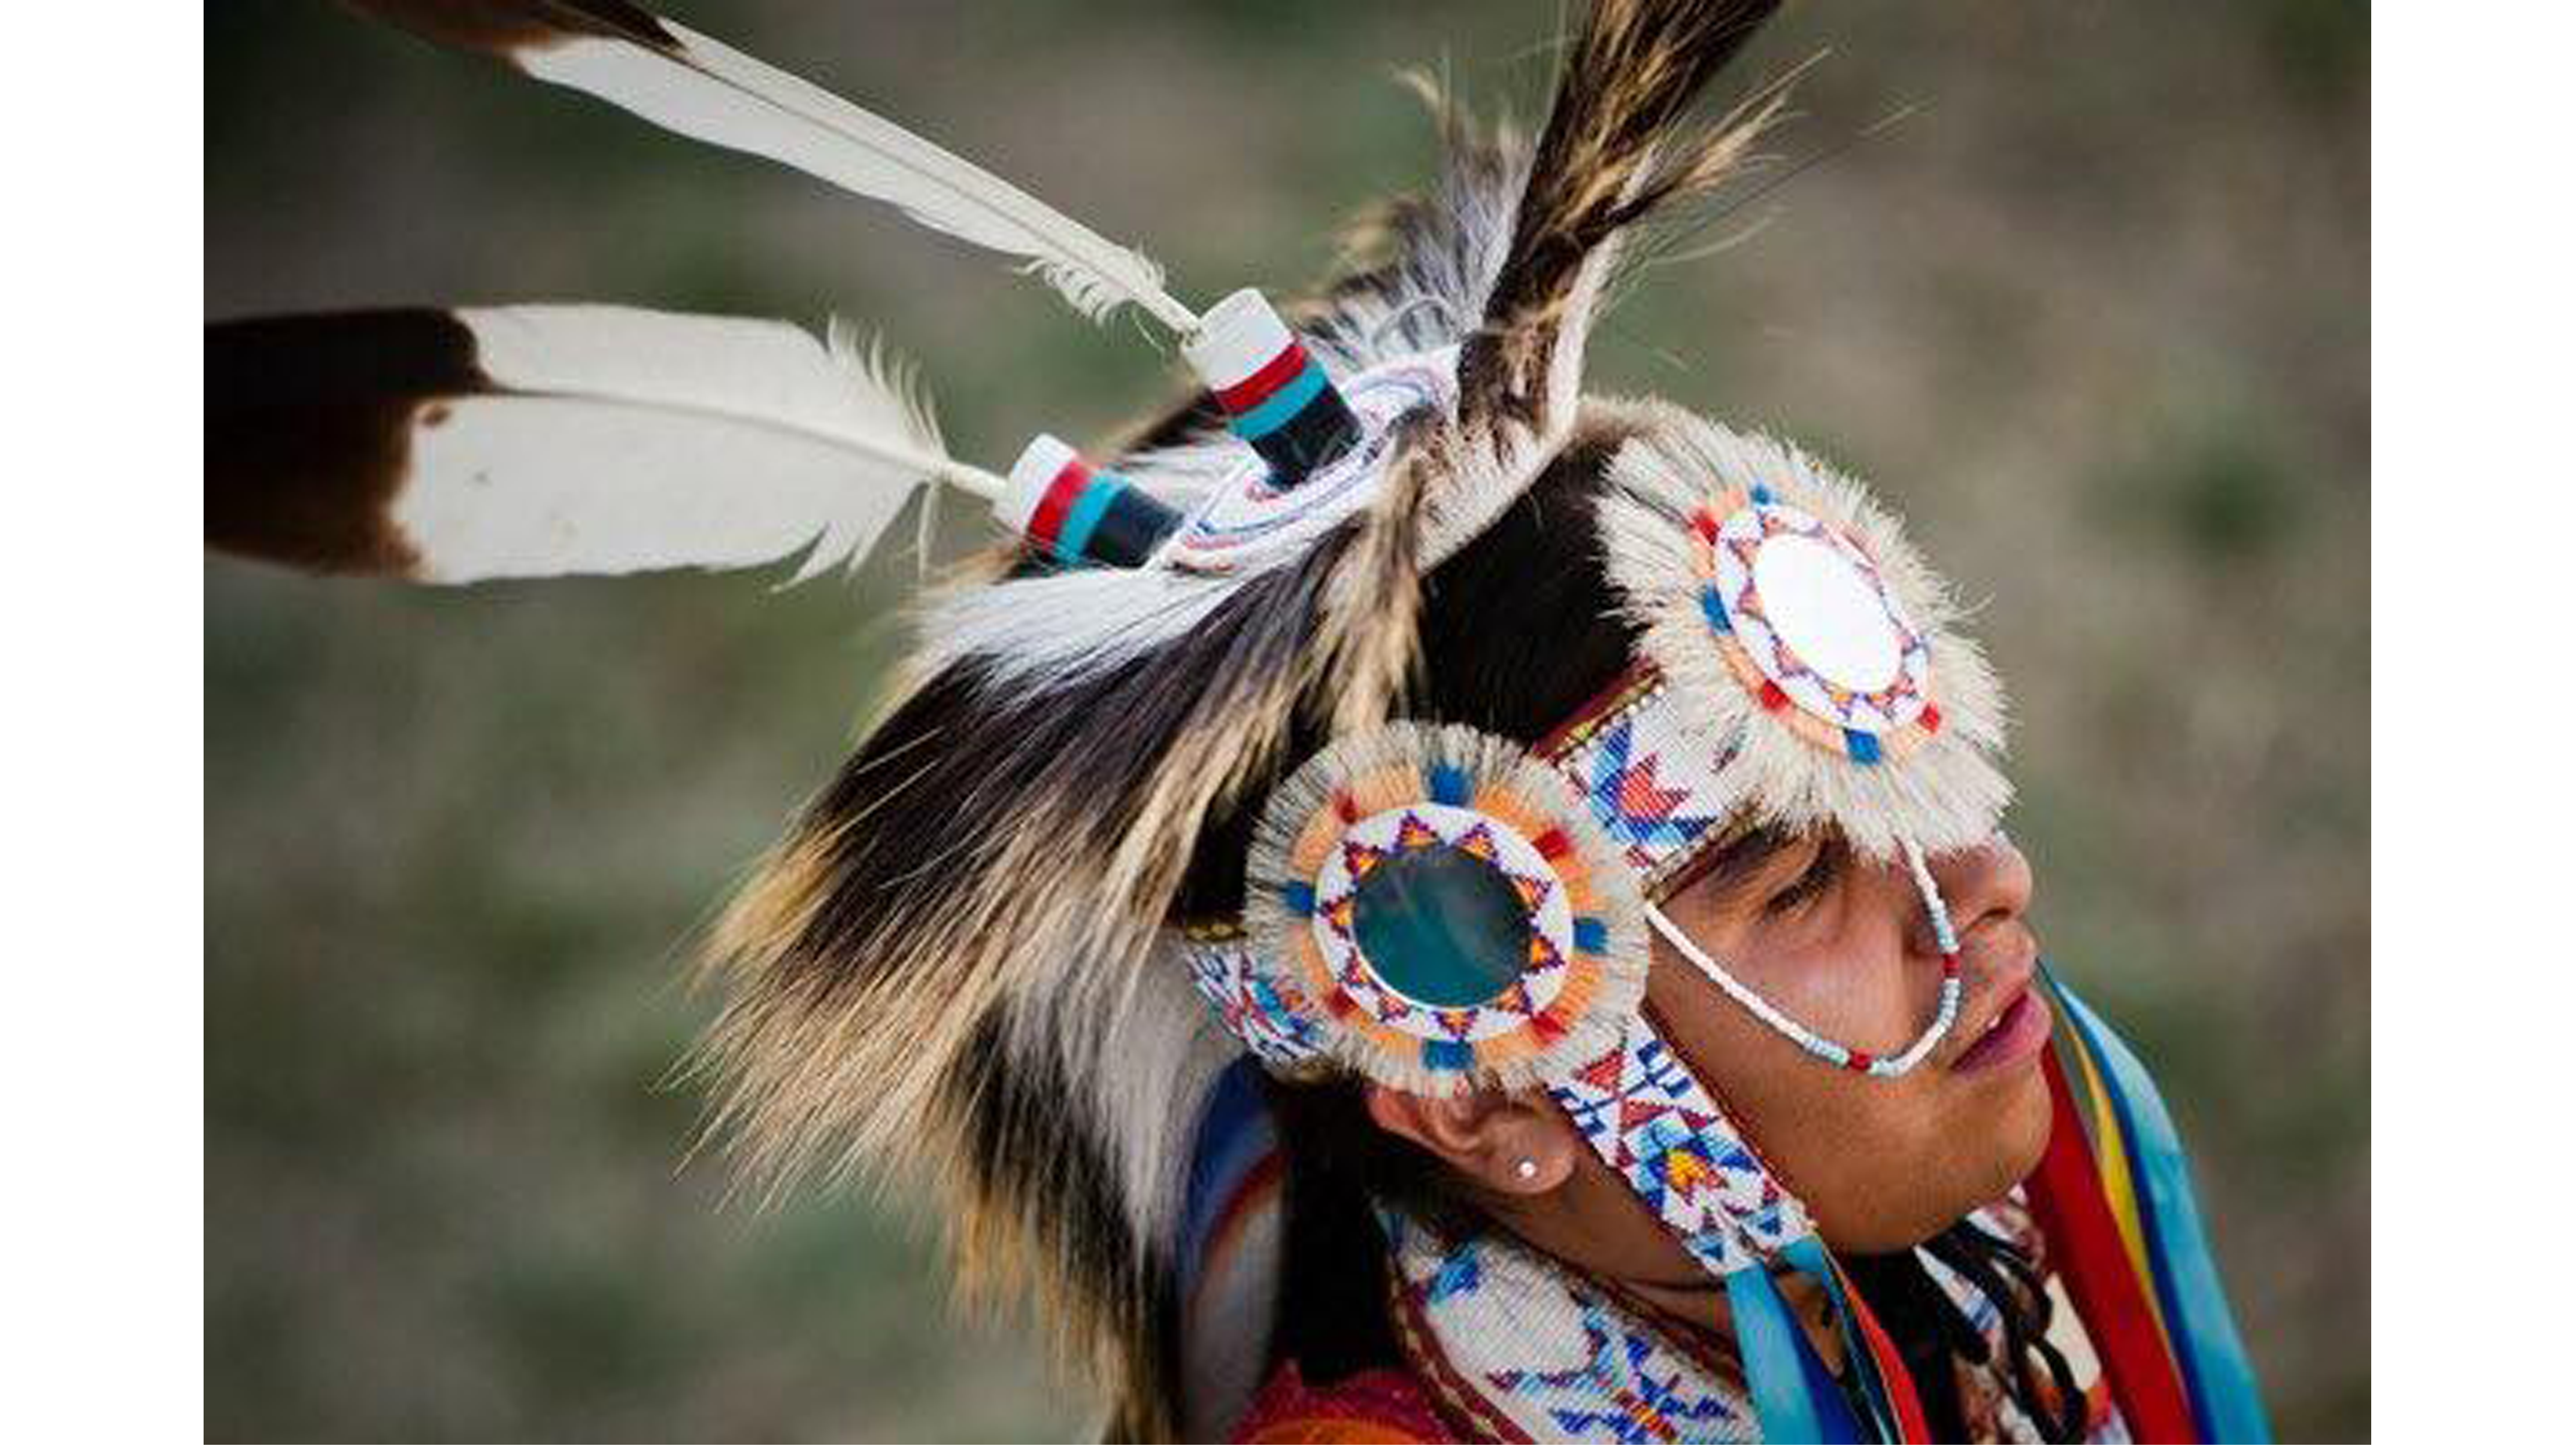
<point x="1807" y="1255"/>
<point x="1797" y="1401"/>
<point x="2216" y="1373"/>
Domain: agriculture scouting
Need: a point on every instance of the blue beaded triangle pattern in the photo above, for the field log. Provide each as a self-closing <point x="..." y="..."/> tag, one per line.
<point x="1644" y="1114"/>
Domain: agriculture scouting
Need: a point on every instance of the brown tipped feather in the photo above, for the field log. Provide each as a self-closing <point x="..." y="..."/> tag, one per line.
<point x="309" y="422"/>
<point x="544" y="440"/>
<point x="502" y="28"/>
<point x="698" y="87"/>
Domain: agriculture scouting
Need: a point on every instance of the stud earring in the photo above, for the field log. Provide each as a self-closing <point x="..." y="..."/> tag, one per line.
<point x="1525" y="1169"/>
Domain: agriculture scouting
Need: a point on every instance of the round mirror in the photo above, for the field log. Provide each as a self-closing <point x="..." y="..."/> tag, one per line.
<point x="1441" y="927"/>
<point x="1827" y="612"/>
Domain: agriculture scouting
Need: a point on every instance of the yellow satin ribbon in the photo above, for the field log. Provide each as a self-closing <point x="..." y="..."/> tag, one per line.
<point x="2111" y="1152"/>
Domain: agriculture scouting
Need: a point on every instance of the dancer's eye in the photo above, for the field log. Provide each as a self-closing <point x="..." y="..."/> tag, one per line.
<point x="1825" y="864"/>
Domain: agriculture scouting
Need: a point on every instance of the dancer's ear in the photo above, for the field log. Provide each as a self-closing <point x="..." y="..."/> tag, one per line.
<point x="1514" y="1143"/>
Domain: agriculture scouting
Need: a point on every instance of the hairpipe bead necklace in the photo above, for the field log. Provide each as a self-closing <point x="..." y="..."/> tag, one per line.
<point x="1815" y="1043"/>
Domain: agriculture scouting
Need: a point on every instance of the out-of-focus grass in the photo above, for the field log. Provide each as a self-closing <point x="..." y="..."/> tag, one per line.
<point x="2094" y="315"/>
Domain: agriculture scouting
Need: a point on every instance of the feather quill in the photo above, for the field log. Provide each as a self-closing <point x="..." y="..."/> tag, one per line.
<point x="688" y="83"/>
<point x="526" y="442"/>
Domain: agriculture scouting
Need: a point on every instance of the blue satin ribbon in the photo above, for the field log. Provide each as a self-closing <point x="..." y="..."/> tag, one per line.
<point x="1794" y="1396"/>
<point x="1807" y="1255"/>
<point x="2216" y="1373"/>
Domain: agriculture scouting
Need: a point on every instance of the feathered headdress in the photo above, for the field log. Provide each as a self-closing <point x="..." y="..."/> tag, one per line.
<point x="1078" y="731"/>
<point x="1268" y="659"/>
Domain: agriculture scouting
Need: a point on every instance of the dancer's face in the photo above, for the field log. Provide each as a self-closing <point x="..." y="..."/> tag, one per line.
<point x="1846" y="948"/>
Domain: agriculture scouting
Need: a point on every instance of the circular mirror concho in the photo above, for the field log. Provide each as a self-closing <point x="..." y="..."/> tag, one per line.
<point x="1451" y="912"/>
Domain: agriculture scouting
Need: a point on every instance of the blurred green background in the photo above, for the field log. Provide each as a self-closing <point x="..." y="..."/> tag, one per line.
<point x="2095" y="315"/>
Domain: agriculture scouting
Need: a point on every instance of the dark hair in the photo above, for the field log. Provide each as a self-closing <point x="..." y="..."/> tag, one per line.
<point x="1335" y="1277"/>
<point x="1933" y="1336"/>
<point x="1334" y="1293"/>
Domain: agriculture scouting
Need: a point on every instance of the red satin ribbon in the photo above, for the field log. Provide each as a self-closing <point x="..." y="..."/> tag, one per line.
<point x="2085" y="1248"/>
<point x="1911" y="1426"/>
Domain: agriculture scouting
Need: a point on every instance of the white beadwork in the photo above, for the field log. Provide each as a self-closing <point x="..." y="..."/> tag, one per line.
<point x="1814" y="1042"/>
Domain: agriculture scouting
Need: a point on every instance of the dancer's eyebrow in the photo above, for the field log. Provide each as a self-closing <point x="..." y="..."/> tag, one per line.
<point x="1726" y="868"/>
<point x="1816" y="879"/>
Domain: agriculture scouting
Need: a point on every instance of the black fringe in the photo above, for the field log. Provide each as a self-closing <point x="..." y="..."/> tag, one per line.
<point x="1029" y="1145"/>
<point x="963" y="762"/>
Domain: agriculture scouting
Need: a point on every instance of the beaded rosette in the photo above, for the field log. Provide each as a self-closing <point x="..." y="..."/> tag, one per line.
<point x="1794" y="625"/>
<point x="1449" y="916"/>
